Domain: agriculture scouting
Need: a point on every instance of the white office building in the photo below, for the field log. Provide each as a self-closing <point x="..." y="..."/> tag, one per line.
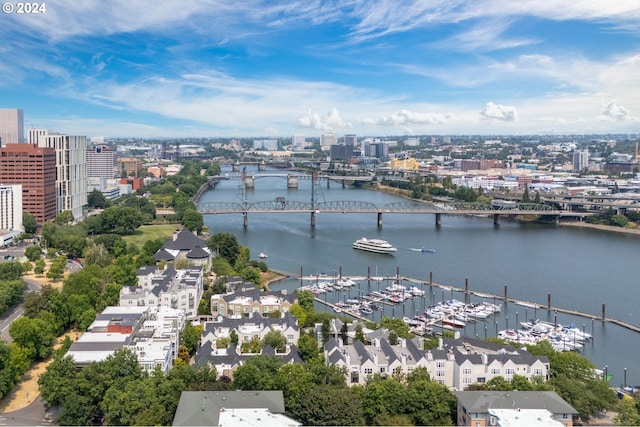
<point x="71" y="169"/>
<point x="327" y="140"/>
<point x="11" y="126"/>
<point x="10" y="213"/>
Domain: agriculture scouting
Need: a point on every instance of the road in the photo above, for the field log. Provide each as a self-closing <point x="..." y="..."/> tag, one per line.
<point x="36" y="414"/>
<point x="16" y="312"/>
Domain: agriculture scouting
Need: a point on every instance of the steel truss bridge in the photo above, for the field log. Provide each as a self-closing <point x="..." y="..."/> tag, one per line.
<point x="438" y="209"/>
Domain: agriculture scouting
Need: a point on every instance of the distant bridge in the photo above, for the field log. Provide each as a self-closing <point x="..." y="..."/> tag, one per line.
<point x="280" y="205"/>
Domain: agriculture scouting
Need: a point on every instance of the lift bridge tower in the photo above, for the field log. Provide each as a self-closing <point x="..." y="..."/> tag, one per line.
<point x="316" y="196"/>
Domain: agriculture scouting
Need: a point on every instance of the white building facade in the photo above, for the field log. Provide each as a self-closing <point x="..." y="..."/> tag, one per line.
<point x="11" y="207"/>
<point x="71" y="169"/>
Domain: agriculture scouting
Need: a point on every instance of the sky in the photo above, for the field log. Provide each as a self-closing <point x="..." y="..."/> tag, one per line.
<point x="250" y="68"/>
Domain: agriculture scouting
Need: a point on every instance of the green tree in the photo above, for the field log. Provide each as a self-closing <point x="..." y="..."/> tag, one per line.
<point x="121" y="220"/>
<point x="190" y="337"/>
<point x="56" y="269"/>
<point x="257" y="373"/>
<point x="96" y="200"/>
<point x="525" y="196"/>
<point x="64" y="217"/>
<point x="192" y="219"/>
<point x="11" y="270"/>
<point x="58" y="380"/>
<point x="383" y="396"/>
<point x="33" y="253"/>
<point x="39" y="267"/>
<point x="345" y="404"/>
<point x="225" y="245"/>
<point x="29" y="223"/>
<point x="276" y="340"/>
<point x="35" y="335"/>
<point x="97" y="254"/>
<point x="308" y="347"/>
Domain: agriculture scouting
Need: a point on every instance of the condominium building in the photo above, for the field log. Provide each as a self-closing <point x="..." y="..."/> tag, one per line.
<point x="101" y="162"/>
<point x="11" y="126"/>
<point x="35" y="169"/>
<point x="71" y="168"/>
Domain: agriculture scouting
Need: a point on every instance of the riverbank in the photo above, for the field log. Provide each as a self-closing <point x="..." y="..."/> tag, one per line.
<point x="583" y="224"/>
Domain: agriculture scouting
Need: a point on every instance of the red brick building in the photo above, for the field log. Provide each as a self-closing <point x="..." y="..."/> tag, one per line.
<point x="35" y="168"/>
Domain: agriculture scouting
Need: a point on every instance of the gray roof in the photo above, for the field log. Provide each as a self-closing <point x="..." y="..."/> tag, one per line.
<point x="163" y="255"/>
<point x="197" y="253"/>
<point x="202" y="408"/>
<point x="184" y="241"/>
<point x="482" y="401"/>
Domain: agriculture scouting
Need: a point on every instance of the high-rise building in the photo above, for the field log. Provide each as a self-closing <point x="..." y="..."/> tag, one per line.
<point x="580" y="160"/>
<point x="11" y="126"/>
<point x="71" y="169"/>
<point x="327" y="140"/>
<point x="101" y="162"/>
<point x="350" y="139"/>
<point x="35" y="169"/>
<point x="11" y="207"/>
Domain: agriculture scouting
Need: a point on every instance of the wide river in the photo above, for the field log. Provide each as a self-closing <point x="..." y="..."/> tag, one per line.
<point x="581" y="268"/>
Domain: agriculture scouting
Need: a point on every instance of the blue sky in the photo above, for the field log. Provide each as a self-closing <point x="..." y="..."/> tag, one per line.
<point x="221" y="68"/>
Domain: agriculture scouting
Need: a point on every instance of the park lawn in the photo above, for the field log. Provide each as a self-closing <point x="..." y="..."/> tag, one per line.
<point x="151" y="232"/>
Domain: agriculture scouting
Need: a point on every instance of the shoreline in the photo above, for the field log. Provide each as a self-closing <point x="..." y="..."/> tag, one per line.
<point x="578" y="224"/>
<point x="601" y="227"/>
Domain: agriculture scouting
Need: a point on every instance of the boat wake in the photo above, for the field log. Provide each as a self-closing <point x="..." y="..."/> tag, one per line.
<point x="423" y="249"/>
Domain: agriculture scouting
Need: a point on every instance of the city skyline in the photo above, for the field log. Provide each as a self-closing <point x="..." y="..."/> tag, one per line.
<point x="278" y="68"/>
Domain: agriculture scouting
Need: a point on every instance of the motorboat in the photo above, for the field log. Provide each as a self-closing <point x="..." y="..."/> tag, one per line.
<point x="262" y="255"/>
<point x="427" y="250"/>
<point x="374" y="245"/>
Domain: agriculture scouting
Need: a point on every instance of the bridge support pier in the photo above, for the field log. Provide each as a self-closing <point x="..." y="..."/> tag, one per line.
<point x="438" y="220"/>
<point x="235" y="167"/>
<point x="379" y="219"/>
<point x="249" y="182"/>
<point x="292" y="181"/>
<point x="313" y="218"/>
<point x="496" y="219"/>
<point x="343" y="184"/>
<point x="245" y="219"/>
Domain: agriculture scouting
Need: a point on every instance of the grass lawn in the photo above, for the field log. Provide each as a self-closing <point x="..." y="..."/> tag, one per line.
<point x="150" y="232"/>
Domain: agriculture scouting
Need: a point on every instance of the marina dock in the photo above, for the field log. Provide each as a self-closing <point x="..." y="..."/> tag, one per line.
<point x="432" y="286"/>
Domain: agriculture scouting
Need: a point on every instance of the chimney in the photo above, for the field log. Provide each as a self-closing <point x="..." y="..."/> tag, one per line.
<point x="485" y="359"/>
<point x="440" y="343"/>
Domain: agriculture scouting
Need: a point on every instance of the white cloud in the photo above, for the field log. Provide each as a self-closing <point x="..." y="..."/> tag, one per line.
<point x="332" y="121"/>
<point x="407" y="117"/>
<point x="497" y="112"/>
<point x="612" y="112"/>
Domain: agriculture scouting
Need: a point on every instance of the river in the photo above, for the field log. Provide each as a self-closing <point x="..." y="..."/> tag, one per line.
<point x="581" y="268"/>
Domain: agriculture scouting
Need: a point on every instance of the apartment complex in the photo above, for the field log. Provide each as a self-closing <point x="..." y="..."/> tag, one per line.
<point x="177" y="289"/>
<point x="250" y="301"/>
<point x="35" y="169"/>
<point x="71" y="168"/>
<point x="11" y="126"/>
<point x="153" y="334"/>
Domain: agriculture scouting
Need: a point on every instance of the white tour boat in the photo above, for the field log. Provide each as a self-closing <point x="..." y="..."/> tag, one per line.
<point x="374" y="245"/>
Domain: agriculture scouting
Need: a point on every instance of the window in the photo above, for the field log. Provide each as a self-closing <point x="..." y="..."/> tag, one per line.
<point x="439" y="364"/>
<point x="466" y="371"/>
<point x="467" y="380"/>
<point x="481" y="380"/>
<point x="440" y="374"/>
<point x="368" y="371"/>
<point x="383" y="369"/>
<point x="495" y="371"/>
<point x="537" y="371"/>
<point x="509" y="371"/>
